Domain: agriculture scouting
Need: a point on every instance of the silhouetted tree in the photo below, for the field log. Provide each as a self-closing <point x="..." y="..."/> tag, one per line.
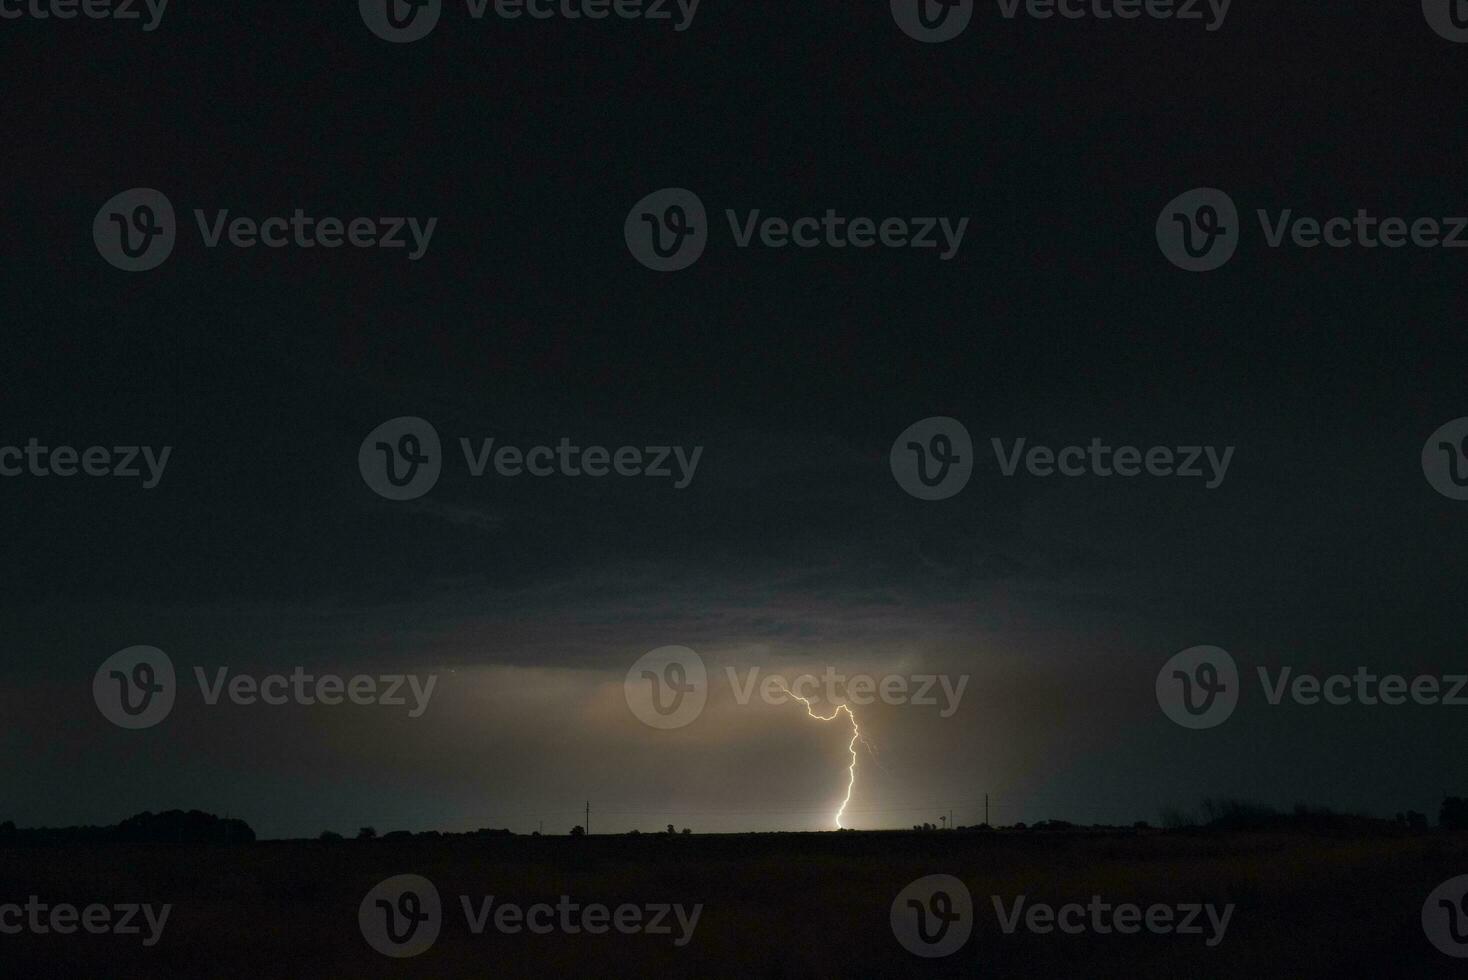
<point x="1413" y="820"/>
<point x="180" y="827"/>
<point x="330" y="835"/>
<point x="1454" y="813"/>
<point x="578" y="831"/>
<point x="367" y="833"/>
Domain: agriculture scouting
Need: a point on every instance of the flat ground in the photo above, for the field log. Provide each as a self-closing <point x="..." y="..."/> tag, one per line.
<point x="776" y="905"/>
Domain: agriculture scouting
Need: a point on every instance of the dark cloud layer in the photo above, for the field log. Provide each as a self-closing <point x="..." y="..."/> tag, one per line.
<point x="793" y="548"/>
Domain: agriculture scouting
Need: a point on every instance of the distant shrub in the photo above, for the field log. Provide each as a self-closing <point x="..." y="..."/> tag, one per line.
<point x="1412" y="820"/>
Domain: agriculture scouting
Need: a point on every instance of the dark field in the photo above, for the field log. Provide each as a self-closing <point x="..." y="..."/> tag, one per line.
<point x="778" y="905"/>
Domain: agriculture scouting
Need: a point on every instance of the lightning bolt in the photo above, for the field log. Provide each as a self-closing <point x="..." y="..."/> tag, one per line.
<point x="856" y="736"/>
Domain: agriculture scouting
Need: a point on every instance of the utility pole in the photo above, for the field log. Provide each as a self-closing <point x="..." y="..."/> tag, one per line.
<point x="986" y="809"/>
<point x="951" y="824"/>
<point x="588" y="818"/>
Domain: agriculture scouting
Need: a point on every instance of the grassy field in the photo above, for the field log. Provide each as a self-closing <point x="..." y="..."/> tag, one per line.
<point x="774" y="905"/>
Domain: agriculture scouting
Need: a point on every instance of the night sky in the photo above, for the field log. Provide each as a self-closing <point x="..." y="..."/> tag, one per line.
<point x="527" y="320"/>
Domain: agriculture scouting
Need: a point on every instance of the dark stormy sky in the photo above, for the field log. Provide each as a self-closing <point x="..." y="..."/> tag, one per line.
<point x="794" y="548"/>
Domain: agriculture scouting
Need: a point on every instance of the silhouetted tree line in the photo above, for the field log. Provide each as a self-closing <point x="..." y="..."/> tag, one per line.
<point x="370" y="833"/>
<point x="168" y="827"/>
<point x="1245" y="815"/>
<point x="1227" y="814"/>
